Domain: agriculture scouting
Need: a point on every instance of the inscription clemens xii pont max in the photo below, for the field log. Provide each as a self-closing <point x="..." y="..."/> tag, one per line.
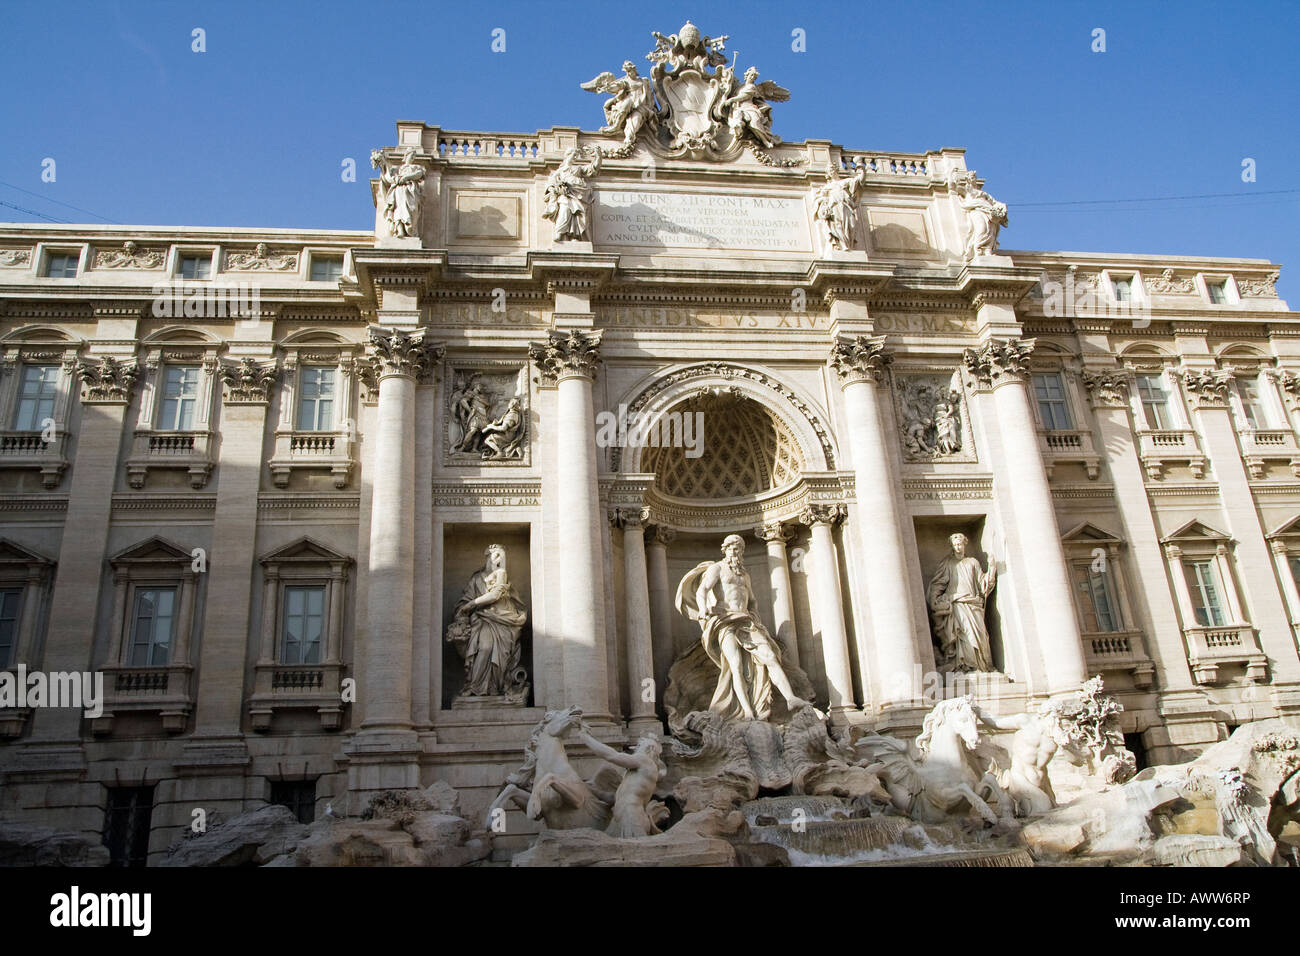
<point x="693" y="220"/>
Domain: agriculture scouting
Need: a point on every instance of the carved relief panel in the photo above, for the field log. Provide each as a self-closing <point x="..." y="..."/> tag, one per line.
<point x="933" y="416"/>
<point x="486" y="417"/>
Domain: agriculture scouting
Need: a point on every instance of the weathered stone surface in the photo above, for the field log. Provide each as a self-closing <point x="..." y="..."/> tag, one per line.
<point x="22" y="844"/>
<point x="698" y="839"/>
<point x="251" y="838"/>
<point x="1114" y="825"/>
<point x="442" y="796"/>
<point x="356" y="843"/>
<point x="1197" y="849"/>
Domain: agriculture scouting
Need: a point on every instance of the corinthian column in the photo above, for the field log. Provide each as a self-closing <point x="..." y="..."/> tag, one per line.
<point x="825" y="578"/>
<point x="661" y="602"/>
<point x="640" y="656"/>
<point x="778" y="569"/>
<point x="860" y="363"/>
<point x="1001" y="366"/>
<point x="399" y="360"/>
<point x="569" y="359"/>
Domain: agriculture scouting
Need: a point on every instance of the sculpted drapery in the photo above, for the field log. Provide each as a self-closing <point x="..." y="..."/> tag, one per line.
<point x="956" y="596"/>
<point x="486" y="627"/>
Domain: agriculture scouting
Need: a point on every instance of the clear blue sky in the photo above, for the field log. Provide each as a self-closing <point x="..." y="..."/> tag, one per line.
<point x="252" y="132"/>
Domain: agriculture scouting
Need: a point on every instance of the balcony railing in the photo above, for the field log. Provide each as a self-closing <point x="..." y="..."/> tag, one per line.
<point x="311" y="450"/>
<point x="285" y="687"/>
<point x="1118" y="651"/>
<point x="1260" y="445"/>
<point x="1069" y="446"/>
<point x="164" y="691"/>
<point x="190" y="450"/>
<point x="29" y="449"/>
<point x="1209" y="648"/>
<point x="1160" y="447"/>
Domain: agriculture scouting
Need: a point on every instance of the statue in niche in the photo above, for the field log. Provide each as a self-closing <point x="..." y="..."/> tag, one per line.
<point x="568" y="194"/>
<point x="931" y="413"/>
<point x="750" y="111"/>
<point x="747" y="657"/>
<point x="485" y="630"/>
<point x="984" y="214"/>
<point x="836" y="206"/>
<point x="632" y="103"/>
<point x="399" y="193"/>
<point x="956" y="595"/>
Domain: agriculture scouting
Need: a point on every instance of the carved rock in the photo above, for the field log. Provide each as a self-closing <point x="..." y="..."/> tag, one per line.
<point x="252" y="838"/>
<point x="698" y="839"/>
<point x="22" y="844"/>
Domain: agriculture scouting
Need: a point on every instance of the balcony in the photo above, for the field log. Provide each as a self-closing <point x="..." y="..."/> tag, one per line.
<point x="312" y="450"/>
<point x="189" y="450"/>
<point x="1260" y="445"/>
<point x="161" y="690"/>
<point x="1161" y="447"/>
<point x="1116" y="651"/>
<point x="315" y="687"/>
<point x="1209" y="648"/>
<point x="24" y="449"/>
<point x="1071" y="446"/>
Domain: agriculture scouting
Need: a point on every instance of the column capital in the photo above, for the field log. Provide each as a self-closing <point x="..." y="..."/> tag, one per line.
<point x="392" y="351"/>
<point x="1209" y="387"/>
<point x="628" y="519"/>
<point x="998" y="361"/>
<point x="827" y="514"/>
<point x="772" y="531"/>
<point x="662" y="535"/>
<point x="568" y="354"/>
<point x="248" y="382"/>
<point x="107" y="381"/>
<point x="860" y="358"/>
<point x="1107" y="388"/>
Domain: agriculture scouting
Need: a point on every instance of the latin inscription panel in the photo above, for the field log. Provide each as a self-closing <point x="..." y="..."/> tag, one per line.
<point x="663" y="220"/>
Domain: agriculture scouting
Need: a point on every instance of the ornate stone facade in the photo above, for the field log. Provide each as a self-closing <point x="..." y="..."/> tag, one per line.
<point x="305" y="486"/>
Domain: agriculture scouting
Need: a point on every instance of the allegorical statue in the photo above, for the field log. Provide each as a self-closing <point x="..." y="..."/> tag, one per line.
<point x="504" y="437"/>
<point x="568" y="194"/>
<point x="1039" y="735"/>
<point x="399" y="192"/>
<point x="750" y="111"/>
<point x="720" y="595"/>
<point x="836" y="206"/>
<point x="470" y="408"/>
<point x="956" y="596"/>
<point x="632" y="104"/>
<point x="485" y="630"/>
<point x="984" y="214"/>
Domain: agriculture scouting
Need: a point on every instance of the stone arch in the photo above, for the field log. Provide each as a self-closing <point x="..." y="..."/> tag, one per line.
<point x="39" y="333"/>
<point x="661" y="391"/>
<point x="173" y="334"/>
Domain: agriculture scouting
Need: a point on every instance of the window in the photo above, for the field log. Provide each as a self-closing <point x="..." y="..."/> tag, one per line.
<point x="61" y="265"/>
<point x="304" y="619"/>
<point x="180" y="392"/>
<point x="1203" y="583"/>
<point x="127" y="820"/>
<point x="316" y="400"/>
<point x="1252" y="405"/>
<point x="1218" y="292"/>
<point x="196" y="267"/>
<point x="10" y="598"/>
<point x="1050" y="391"/>
<point x="1123" y="286"/>
<point x="1294" y="562"/>
<point x="152" y="625"/>
<point x="298" y="795"/>
<point x="36" y="394"/>
<point x="1155" y="400"/>
<point x="326" y="268"/>
<point x="1097" y="599"/>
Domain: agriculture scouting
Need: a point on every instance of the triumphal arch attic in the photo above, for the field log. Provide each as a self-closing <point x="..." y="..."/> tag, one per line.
<point x="337" y="512"/>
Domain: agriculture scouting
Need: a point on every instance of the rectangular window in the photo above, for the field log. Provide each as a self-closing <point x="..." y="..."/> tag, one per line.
<point x="180" y="392"/>
<point x="1252" y="405"/>
<point x="304" y="621"/>
<point x="1097" y="598"/>
<point x="153" y="622"/>
<point x="1155" y="400"/>
<point x="1050" y="391"/>
<point x="316" y="400"/>
<point x="1123" y="286"/>
<point x="36" y="394"/>
<point x="1218" y="292"/>
<point x="61" y="265"/>
<point x="127" y="820"/>
<point x="298" y="795"/>
<point x="196" y="267"/>
<point x="1203" y="583"/>
<point x="10" y="598"/>
<point x="326" y="268"/>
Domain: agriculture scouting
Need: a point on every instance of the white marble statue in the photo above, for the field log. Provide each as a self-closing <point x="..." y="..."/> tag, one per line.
<point x="568" y="195"/>
<point x="504" y="437"/>
<point x="984" y="214"/>
<point x="835" y="205"/>
<point x="399" y="193"/>
<point x="485" y="629"/>
<point x="636" y="813"/>
<point x="956" y="595"/>
<point x="747" y="657"/>
<point x="1038" y="737"/>
<point x="748" y="111"/>
<point x="470" y="406"/>
<point x="631" y="105"/>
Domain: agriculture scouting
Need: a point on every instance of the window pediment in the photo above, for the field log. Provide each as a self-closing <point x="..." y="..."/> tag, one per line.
<point x="305" y="551"/>
<point x="154" y="551"/>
